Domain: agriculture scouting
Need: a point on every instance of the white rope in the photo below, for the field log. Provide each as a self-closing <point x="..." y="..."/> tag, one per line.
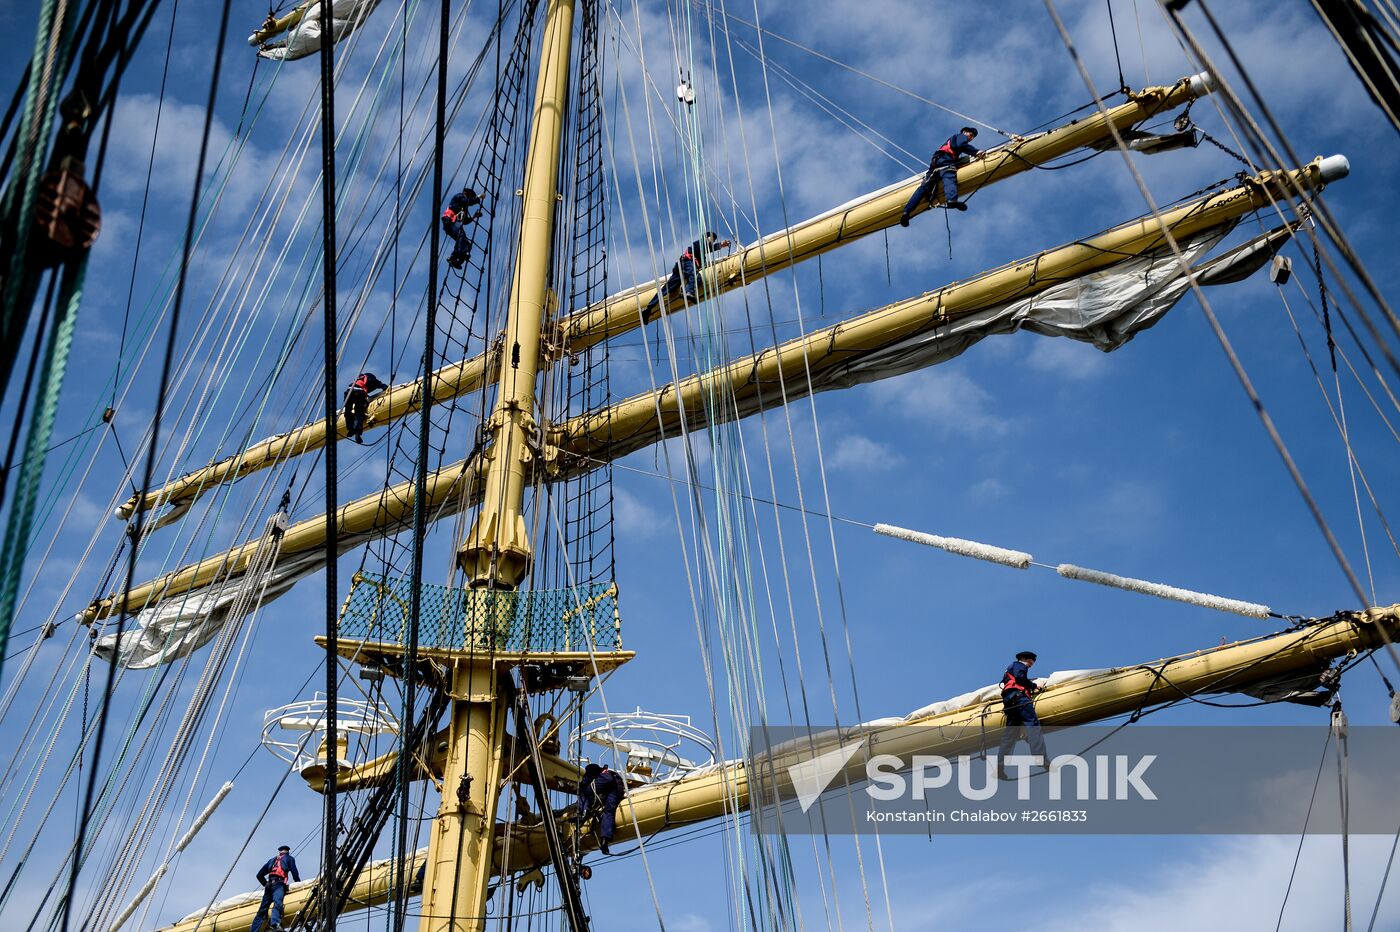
<point x="1020" y="560"/>
<point x="1161" y="591"/>
<point x="159" y="872"/>
<point x="964" y="548"/>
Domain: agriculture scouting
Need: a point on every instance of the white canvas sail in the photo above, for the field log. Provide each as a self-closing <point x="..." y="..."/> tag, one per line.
<point x="304" y="38"/>
<point x="1105" y="308"/>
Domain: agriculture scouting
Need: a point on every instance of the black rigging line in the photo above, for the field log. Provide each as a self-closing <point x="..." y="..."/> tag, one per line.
<point x="1319" y="208"/>
<point x="1385" y="879"/>
<point x="1370" y="50"/>
<point x="1303" y="836"/>
<point x="145" y="200"/>
<point x="1113" y="31"/>
<point x="166" y="365"/>
<point x="420" y="479"/>
<point x="46" y="309"/>
<point x="329" y="328"/>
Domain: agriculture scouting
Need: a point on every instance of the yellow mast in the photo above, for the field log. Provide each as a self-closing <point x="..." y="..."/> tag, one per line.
<point x="614" y="431"/>
<point x="620" y="313"/>
<point x="496" y="552"/>
<point x="715" y="792"/>
<point x="631" y="424"/>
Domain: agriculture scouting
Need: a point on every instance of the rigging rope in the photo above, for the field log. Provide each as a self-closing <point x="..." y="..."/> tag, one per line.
<point x="1339" y="727"/>
<point x="710" y="11"/>
<point x="1117" y="56"/>
<point x="332" y="551"/>
<point x="151" y="451"/>
<point x="1325" y="219"/>
<point x="1225" y="343"/>
<point x="420" y="510"/>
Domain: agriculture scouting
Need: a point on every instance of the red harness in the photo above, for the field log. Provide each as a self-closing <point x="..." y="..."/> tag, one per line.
<point x="450" y="215"/>
<point x="1008" y="683"/>
<point x="278" y="872"/>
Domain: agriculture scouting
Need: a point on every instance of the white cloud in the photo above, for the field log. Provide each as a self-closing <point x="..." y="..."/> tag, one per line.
<point x="1066" y="359"/>
<point x="690" y="922"/>
<point x="945" y="400"/>
<point x="858" y="453"/>
<point x="634" y="517"/>
<point x="1239" y="884"/>
<point x="1225" y="883"/>
<point x="987" y="490"/>
<point x="1122" y="509"/>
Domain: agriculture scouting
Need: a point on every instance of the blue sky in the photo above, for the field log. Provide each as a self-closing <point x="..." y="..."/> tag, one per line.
<point x="1147" y="462"/>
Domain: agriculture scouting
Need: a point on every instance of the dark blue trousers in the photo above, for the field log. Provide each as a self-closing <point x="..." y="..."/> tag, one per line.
<point x="356" y="408"/>
<point x="607" y="822"/>
<point x="1021" y="719"/>
<point x="948" y="174"/>
<point x="682" y="272"/>
<point x="606" y="811"/>
<point x="272" y="894"/>
<point x="463" y="248"/>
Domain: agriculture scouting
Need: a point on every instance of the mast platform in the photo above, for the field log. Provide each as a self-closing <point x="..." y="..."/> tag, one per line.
<point x="578" y="629"/>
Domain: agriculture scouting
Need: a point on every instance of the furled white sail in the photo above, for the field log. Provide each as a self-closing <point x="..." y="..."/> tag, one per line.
<point x="1106" y="308"/>
<point x="304" y="38"/>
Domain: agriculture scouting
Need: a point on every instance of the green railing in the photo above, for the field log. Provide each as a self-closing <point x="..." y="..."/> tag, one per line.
<point x="541" y="620"/>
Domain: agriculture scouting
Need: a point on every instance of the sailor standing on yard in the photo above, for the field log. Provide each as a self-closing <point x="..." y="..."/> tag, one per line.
<point x="1017" y="688"/>
<point x="944" y="166"/>
<point x="357" y="404"/>
<point x="599" y="794"/>
<point x="274" y="877"/>
<point x="698" y="255"/>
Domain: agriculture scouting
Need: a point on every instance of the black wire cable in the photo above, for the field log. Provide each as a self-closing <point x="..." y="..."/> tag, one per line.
<point x="46" y="309"/>
<point x="329" y="831"/>
<point x="420" y="479"/>
<point x="1113" y="31"/>
<point x="1385" y="879"/>
<point x="145" y="201"/>
<point x="1303" y="836"/>
<point x="151" y="452"/>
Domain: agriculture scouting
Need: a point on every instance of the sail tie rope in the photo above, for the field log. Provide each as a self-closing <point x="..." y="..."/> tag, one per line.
<point x="1021" y="560"/>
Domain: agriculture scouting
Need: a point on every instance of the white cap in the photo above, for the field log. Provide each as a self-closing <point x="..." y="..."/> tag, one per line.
<point x="1202" y="84"/>
<point x="1333" y="168"/>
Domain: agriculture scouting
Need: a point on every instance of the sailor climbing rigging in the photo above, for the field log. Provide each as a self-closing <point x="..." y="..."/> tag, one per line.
<point x="599" y="794"/>
<point x="455" y="217"/>
<point x="274" y="877"/>
<point x="696" y="256"/>
<point x="1017" y="688"/>
<point x="944" y="166"/>
<point x="357" y="403"/>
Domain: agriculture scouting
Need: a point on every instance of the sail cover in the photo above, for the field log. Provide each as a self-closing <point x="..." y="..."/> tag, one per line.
<point x="1105" y="308"/>
<point x="179" y="626"/>
<point x="304" y="38"/>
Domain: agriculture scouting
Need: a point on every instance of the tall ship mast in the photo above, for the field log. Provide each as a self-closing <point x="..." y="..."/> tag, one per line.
<point x="396" y="441"/>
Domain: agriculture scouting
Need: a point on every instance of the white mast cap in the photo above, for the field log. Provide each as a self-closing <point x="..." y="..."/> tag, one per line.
<point x="1333" y="168"/>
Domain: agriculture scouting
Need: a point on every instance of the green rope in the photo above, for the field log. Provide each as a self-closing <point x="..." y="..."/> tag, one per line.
<point x="21" y="517"/>
<point x="36" y="125"/>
